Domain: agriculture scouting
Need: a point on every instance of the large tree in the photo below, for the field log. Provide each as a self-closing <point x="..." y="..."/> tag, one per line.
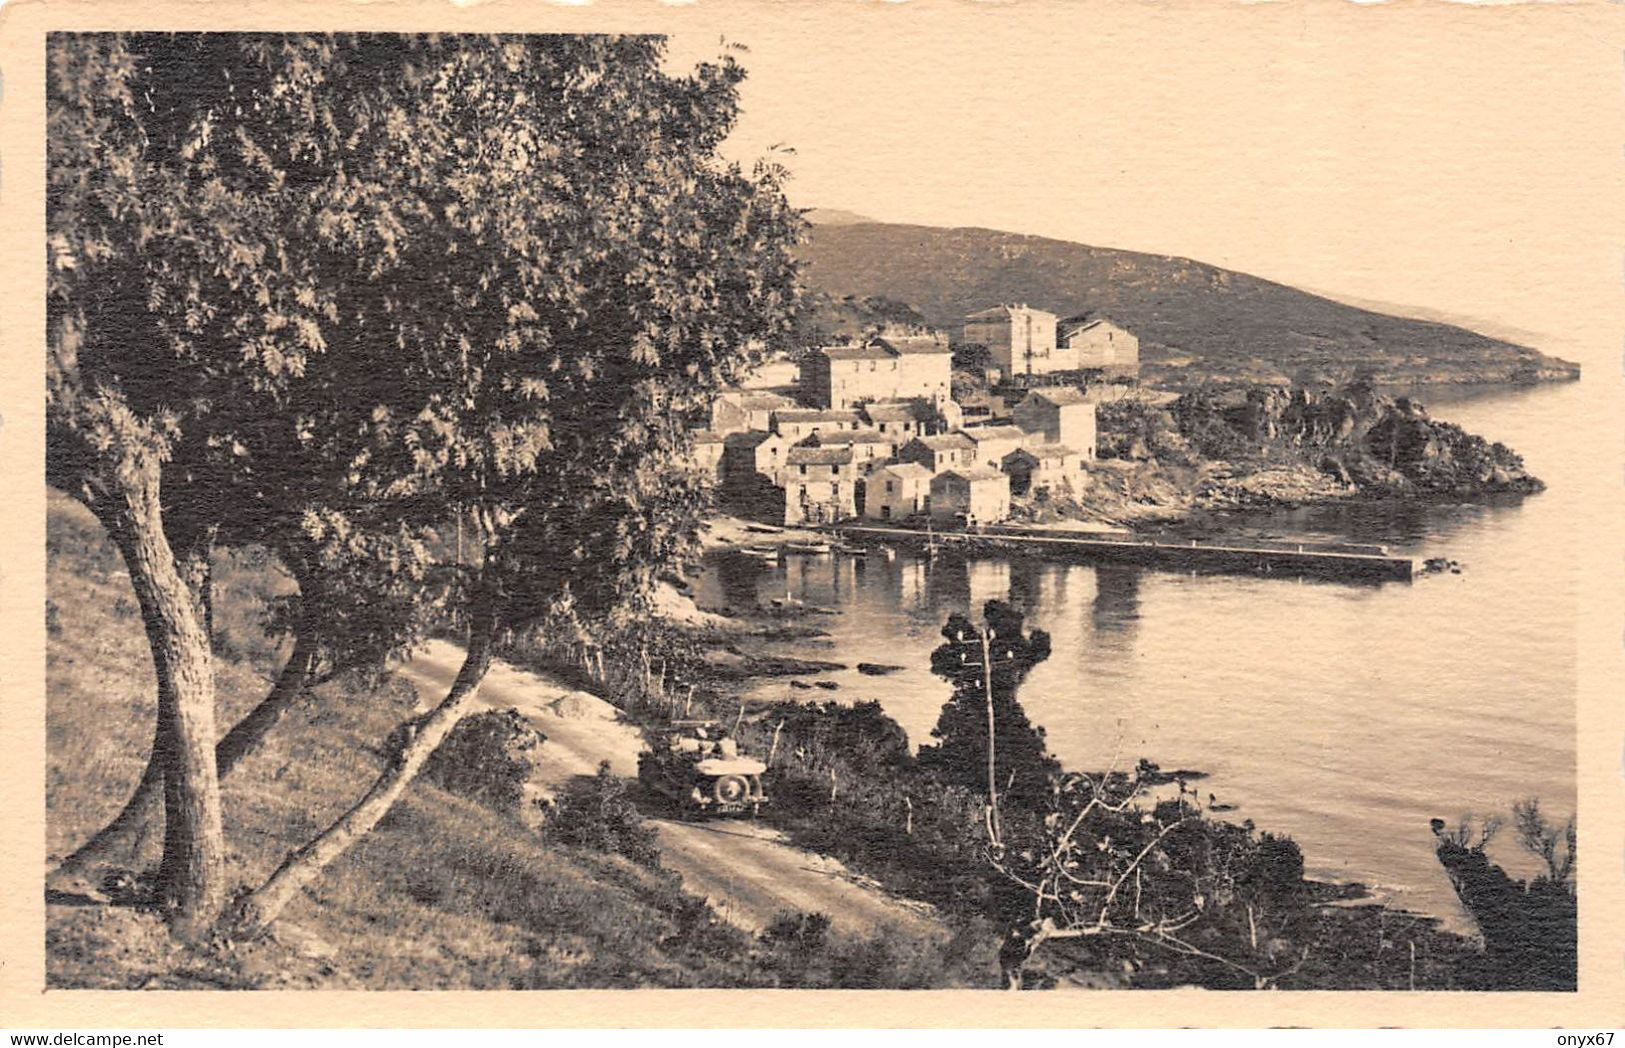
<point x="209" y="382"/>
<point x="362" y="599"/>
<point x="305" y="285"/>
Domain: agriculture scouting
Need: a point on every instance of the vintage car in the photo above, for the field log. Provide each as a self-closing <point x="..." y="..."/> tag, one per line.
<point x="699" y="767"/>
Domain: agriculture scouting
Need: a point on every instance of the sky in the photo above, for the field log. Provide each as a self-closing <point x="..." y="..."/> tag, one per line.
<point x="1462" y="160"/>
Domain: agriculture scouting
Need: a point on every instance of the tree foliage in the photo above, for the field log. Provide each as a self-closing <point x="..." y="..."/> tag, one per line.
<point x="572" y="272"/>
<point x="1530" y="927"/>
<point x="997" y="656"/>
<point x="324" y="292"/>
<point x="487" y="758"/>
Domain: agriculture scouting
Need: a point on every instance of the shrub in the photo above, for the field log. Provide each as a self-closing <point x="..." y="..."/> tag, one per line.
<point x="1529" y="926"/>
<point x="486" y="759"/>
<point x="960" y="754"/>
<point x="799" y="932"/>
<point x="595" y="813"/>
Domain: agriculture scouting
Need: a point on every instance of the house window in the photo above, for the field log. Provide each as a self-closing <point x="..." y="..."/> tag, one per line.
<point x="885" y="512"/>
<point x="804" y="469"/>
<point x="888" y="487"/>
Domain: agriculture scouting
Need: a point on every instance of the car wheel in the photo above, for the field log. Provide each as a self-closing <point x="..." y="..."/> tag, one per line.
<point x="730" y="789"/>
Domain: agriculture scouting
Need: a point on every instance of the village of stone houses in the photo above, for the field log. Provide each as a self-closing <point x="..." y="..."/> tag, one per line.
<point x="871" y="428"/>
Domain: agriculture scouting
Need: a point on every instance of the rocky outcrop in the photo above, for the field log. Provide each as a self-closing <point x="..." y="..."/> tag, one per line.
<point x="1383" y="446"/>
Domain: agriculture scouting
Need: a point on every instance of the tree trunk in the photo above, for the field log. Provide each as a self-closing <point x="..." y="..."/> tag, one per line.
<point x="123" y="838"/>
<point x="424" y="734"/>
<point x="191" y="875"/>
<point x="992" y="746"/>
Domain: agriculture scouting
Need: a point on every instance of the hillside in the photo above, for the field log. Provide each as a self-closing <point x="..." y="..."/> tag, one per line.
<point x="445" y="894"/>
<point x="1196" y="322"/>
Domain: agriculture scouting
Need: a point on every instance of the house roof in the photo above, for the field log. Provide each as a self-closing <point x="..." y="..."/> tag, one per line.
<point x="918" y="344"/>
<point x="875" y="349"/>
<point x="904" y="470"/>
<point x="748" y="439"/>
<point x="706" y="436"/>
<point x="1007" y="310"/>
<point x="1084" y="321"/>
<point x="896" y="410"/>
<point x="755" y="400"/>
<point x="814" y="415"/>
<point x="978" y="475"/>
<point x="818" y="455"/>
<point x="944" y="441"/>
<point x="1042" y="452"/>
<point x="1000" y="432"/>
<point x="855" y="436"/>
<point x="1060" y="396"/>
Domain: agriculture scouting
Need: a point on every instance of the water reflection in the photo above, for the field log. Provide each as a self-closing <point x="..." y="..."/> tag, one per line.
<point x="1116" y="608"/>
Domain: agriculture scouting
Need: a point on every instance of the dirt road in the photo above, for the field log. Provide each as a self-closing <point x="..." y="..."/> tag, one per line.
<point x="748" y="872"/>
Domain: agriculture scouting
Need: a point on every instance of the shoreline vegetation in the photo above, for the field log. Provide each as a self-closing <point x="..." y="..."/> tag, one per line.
<point x="846" y="782"/>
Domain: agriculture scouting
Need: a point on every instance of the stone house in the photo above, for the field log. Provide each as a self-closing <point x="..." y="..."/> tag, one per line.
<point x="797" y="424"/>
<point x="925" y="369"/>
<point x="993" y="443"/>
<point x="868" y="446"/>
<point x="746" y="455"/>
<point x="913" y="418"/>
<point x="843" y="376"/>
<point x="1058" y="415"/>
<point x="1020" y="339"/>
<point x="940" y="452"/>
<point x="820" y="485"/>
<point x="974" y="496"/>
<point x="1044" y="467"/>
<point x="739" y="410"/>
<point x="751" y="465"/>
<point x="896" y="491"/>
<point x="1098" y="344"/>
<point x="706" y="454"/>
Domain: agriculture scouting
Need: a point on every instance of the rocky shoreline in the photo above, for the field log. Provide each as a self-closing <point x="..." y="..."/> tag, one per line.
<point x="1267" y="447"/>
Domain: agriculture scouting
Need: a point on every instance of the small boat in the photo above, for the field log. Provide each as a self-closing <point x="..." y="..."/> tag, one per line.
<point x="810" y="549"/>
<point x="761" y="552"/>
<point x="849" y="549"/>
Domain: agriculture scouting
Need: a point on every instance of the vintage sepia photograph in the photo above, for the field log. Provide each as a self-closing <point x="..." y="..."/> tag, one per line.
<point x="759" y="510"/>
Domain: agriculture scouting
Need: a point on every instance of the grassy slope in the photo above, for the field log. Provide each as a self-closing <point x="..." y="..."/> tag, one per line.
<point x="1194" y="320"/>
<point x="443" y="895"/>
